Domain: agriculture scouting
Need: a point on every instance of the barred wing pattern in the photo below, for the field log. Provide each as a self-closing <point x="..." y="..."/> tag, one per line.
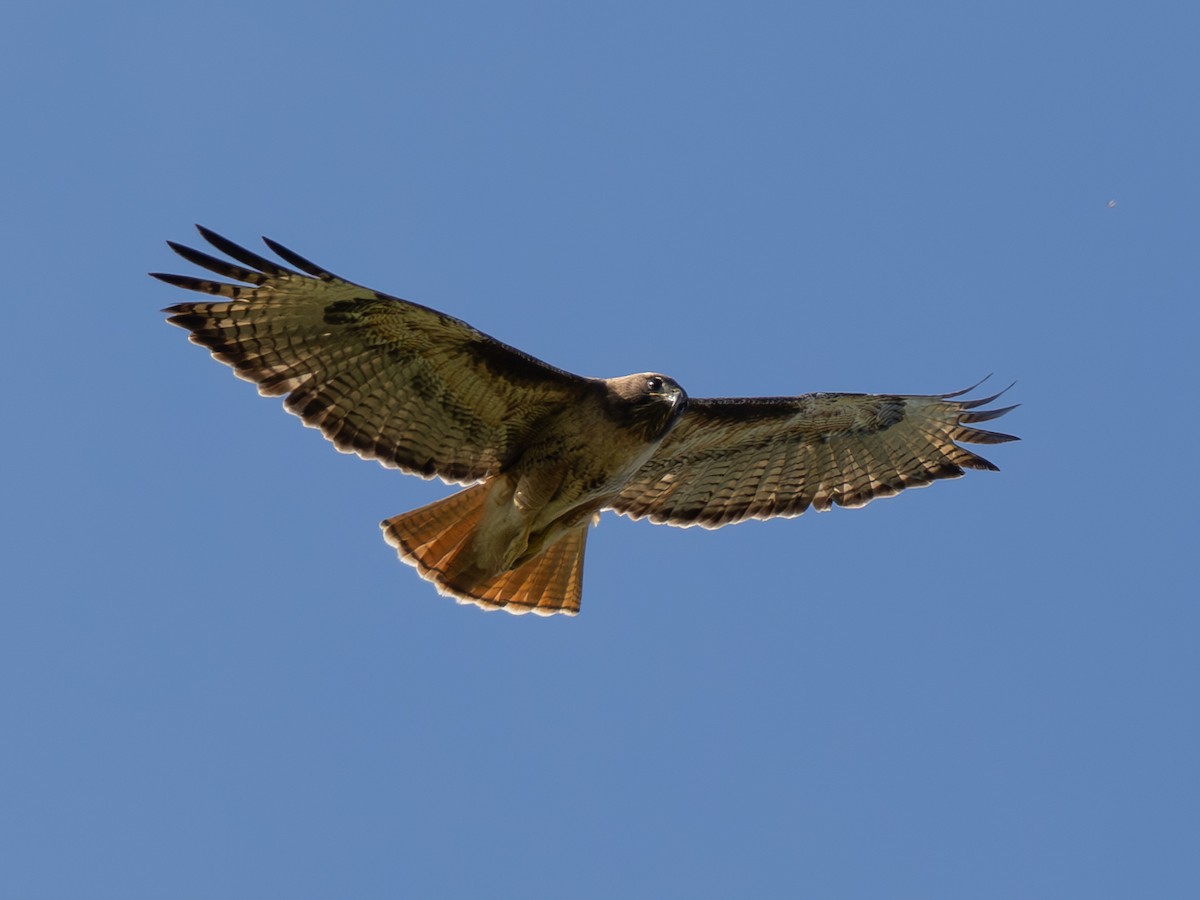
<point x="381" y="377"/>
<point x="754" y="458"/>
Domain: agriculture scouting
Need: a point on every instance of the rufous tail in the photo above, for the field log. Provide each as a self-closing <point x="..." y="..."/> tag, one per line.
<point x="433" y="537"/>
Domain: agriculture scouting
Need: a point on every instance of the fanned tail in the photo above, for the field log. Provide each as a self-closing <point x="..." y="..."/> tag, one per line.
<point x="437" y="540"/>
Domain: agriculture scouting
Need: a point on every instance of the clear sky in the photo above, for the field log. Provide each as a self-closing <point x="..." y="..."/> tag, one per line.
<point x="216" y="680"/>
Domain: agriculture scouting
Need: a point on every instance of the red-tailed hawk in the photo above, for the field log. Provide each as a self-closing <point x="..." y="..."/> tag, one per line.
<point x="543" y="450"/>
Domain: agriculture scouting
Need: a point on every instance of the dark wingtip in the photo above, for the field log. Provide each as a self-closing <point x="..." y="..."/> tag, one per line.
<point x="241" y="254"/>
<point x="969" y="389"/>
<point x="973" y="416"/>
<point x="217" y="240"/>
<point x="306" y="266"/>
<point x="173" y="280"/>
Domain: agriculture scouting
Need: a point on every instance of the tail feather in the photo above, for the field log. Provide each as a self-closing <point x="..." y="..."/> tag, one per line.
<point x="436" y="539"/>
<point x="430" y="537"/>
<point x="551" y="582"/>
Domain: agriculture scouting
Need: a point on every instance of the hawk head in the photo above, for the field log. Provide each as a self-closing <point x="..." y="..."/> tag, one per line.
<point x="648" y="402"/>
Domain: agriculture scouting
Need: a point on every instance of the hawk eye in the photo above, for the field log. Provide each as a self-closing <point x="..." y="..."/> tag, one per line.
<point x="654" y="384"/>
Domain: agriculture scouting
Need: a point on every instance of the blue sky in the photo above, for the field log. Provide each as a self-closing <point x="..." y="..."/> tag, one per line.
<point x="217" y="680"/>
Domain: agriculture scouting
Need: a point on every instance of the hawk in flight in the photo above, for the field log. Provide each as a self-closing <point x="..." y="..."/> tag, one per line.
<point x="541" y="450"/>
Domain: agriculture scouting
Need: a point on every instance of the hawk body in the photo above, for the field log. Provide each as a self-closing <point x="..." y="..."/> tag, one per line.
<point x="543" y="450"/>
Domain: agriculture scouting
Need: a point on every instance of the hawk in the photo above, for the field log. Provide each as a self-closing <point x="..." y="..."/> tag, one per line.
<point x="541" y="450"/>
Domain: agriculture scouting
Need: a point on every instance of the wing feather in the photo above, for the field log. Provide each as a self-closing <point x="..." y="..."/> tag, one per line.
<point x="379" y="376"/>
<point x="755" y="458"/>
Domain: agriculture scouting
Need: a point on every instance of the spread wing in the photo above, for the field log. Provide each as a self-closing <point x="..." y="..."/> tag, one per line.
<point x="755" y="458"/>
<point x="381" y="377"/>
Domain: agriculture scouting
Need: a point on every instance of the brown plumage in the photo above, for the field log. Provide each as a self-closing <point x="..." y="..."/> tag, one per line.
<point x="543" y="450"/>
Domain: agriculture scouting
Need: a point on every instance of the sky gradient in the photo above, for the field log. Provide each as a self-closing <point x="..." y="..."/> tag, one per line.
<point x="217" y="680"/>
